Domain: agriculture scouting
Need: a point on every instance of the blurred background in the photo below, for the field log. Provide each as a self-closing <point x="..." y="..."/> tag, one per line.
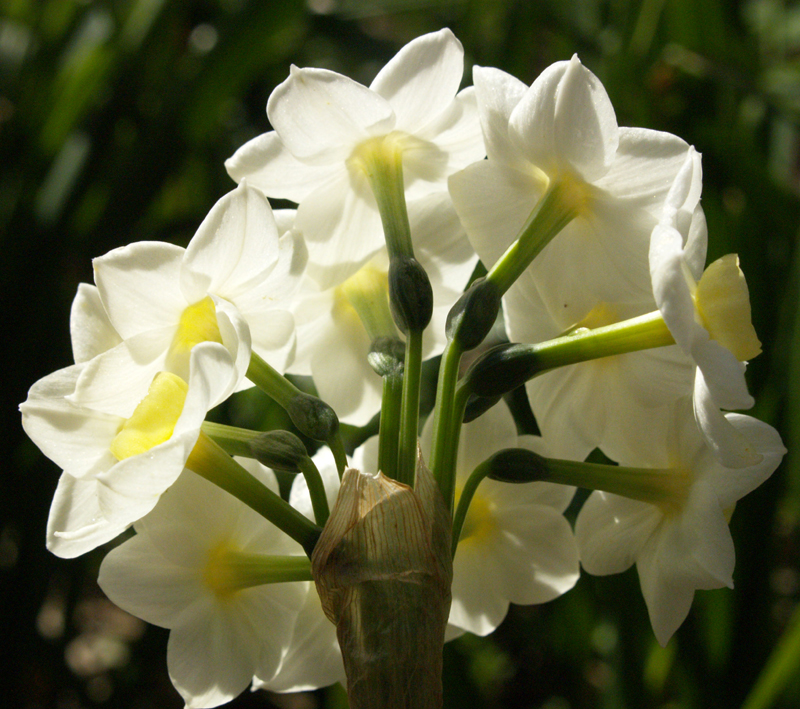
<point x="115" y="119"/>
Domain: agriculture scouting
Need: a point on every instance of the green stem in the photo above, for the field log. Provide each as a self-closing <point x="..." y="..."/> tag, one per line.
<point x="382" y="162"/>
<point x="336" y="444"/>
<point x="233" y="440"/>
<point x="667" y="488"/>
<point x="389" y="433"/>
<point x="272" y="383"/>
<point x="506" y="367"/>
<point x="443" y="455"/>
<point x="236" y="570"/>
<point x="211" y="462"/>
<point x="467" y="493"/>
<point x="559" y="205"/>
<point x="409" y="416"/>
<point x="316" y="490"/>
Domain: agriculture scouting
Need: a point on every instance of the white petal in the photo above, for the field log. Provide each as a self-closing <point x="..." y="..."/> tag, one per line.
<point x="210" y="656"/>
<point x="274" y="336"/>
<point x="116" y="381"/>
<point x="566" y="120"/>
<point x="457" y="134"/>
<point x="645" y="168"/>
<point x="478" y="606"/>
<point x="76" y="524"/>
<point x="498" y="93"/>
<point x="493" y="204"/>
<point x="321" y="116"/>
<point x="90" y="329"/>
<point x="342" y="374"/>
<point x="342" y="228"/>
<point x="731" y="447"/>
<point x="585" y="130"/>
<point x="668" y="602"/>
<point x="537" y="553"/>
<point x="137" y="578"/>
<point x="140" y="286"/>
<point x="313" y="659"/>
<point x="422" y="79"/>
<point x="611" y="532"/>
<point x="731" y="484"/>
<point x="194" y="517"/>
<point x="75" y="438"/>
<point x="267" y="165"/>
<point x="236" y="244"/>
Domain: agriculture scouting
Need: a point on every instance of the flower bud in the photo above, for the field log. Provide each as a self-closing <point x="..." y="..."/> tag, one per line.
<point x="313" y="417"/>
<point x="410" y="294"/>
<point x="279" y="450"/>
<point x="386" y="356"/>
<point x="517" y="465"/>
<point x="474" y="314"/>
<point x="502" y="369"/>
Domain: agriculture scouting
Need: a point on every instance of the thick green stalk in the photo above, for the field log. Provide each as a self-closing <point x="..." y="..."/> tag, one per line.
<point x="389" y="433"/>
<point x="443" y="453"/>
<point x="409" y="417"/>
<point x="559" y="205"/>
<point x="506" y="367"/>
<point x="211" y="462"/>
<point x="233" y="440"/>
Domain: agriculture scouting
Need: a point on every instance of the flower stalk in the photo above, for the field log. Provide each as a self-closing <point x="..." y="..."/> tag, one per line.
<point x="211" y="462"/>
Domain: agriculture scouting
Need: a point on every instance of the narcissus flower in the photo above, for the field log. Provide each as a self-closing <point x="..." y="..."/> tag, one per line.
<point x="329" y="127"/>
<point x="682" y="543"/>
<point x="201" y="564"/>
<point x="118" y="463"/>
<point x="708" y="314"/>
<point x="563" y="130"/>
<point x="231" y="286"/>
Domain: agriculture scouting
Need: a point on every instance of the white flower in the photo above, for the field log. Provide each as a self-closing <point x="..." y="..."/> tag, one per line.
<point x="708" y="314"/>
<point x="563" y="129"/>
<point x="117" y="463"/>
<point x="322" y="122"/>
<point x="230" y="285"/>
<point x="516" y="546"/>
<point x="333" y="342"/>
<point x="683" y="543"/>
<point x="179" y="572"/>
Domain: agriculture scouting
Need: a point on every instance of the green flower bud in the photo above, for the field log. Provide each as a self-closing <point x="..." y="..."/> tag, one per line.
<point x="313" y="417"/>
<point x="279" y="450"/>
<point x="386" y="356"/>
<point x="410" y="294"/>
<point x="517" y="465"/>
<point x="501" y="369"/>
<point x="474" y="314"/>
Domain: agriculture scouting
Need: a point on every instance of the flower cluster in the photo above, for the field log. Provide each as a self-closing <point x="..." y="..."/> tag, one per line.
<point x="594" y="241"/>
